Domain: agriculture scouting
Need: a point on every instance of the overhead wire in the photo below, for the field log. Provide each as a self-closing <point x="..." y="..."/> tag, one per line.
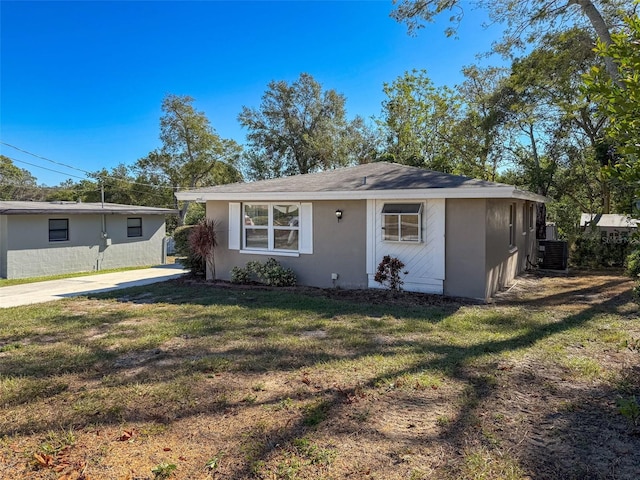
<point x="75" y="168"/>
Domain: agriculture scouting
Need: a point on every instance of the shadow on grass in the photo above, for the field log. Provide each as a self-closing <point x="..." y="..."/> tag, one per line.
<point x="154" y="365"/>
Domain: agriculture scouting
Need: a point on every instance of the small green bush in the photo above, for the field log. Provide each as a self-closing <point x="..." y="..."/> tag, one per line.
<point x="269" y="273"/>
<point x="632" y="263"/>
<point x="240" y="275"/>
<point x="592" y="252"/>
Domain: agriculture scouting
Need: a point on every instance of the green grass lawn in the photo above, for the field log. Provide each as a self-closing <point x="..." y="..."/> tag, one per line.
<point x="7" y="282"/>
<point x="197" y="381"/>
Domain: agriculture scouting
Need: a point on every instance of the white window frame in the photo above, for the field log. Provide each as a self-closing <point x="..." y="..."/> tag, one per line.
<point x="399" y="215"/>
<point x="271" y="228"/>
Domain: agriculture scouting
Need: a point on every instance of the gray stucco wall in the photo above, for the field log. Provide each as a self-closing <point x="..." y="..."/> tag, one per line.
<point x="29" y="252"/>
<point x="338" y="247"/>
<point x="465" y="233"/>
<point x="3" y="246"/>
<point x="505" y="262"/>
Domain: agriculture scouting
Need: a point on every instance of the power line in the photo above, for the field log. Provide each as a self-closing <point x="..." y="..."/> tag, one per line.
<point x="44" y="158"/>
<point x="74" y="168"/>
<point x="44" y="168"/>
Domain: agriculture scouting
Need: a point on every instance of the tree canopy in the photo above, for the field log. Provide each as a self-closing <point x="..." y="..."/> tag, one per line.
<point x="192" y="153"/>
<point x="298" y="128"/>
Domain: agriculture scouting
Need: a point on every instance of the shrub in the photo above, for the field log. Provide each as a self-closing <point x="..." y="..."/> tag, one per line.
<point x="240" y="275"/>
<point x="203" y="240"/>
<point x="269" y="273"/>
<point x="632" y="263"/>
<point x="591" y="251"/>
<point x="389" y="273"/>
<point x="183" y="250"/>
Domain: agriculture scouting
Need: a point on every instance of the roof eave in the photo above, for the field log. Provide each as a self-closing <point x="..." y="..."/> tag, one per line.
<point x="466" y="192"/>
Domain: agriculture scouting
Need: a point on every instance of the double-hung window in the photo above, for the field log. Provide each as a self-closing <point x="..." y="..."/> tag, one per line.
<point x="402" y="222"/>
<point x="58" y="229"/>
<point x="134" y="227"/>
<point x="271" y="226"/>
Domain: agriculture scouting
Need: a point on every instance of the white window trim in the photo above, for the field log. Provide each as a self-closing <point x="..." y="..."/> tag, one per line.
<point x="399" y="215"/>
<point x="305" y="229"/>
<point x="270" y="228"/>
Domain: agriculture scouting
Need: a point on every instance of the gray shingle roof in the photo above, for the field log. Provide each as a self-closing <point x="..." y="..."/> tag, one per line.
<point x="67" y="208"/>
<point x="366" y="179"/>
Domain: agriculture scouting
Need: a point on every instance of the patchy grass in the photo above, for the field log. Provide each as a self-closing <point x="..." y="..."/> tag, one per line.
<point x="193" y="380"/>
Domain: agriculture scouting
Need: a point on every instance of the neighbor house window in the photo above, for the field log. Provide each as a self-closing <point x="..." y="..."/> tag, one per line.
<point x="401" y="222"/>
<point x="512" y="225"/>
<point x="271" y="226"/>
<point x="58" y="229"/>
<point x="134" y="227"/>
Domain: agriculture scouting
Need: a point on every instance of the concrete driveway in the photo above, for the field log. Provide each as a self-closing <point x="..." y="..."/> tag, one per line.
<point x="39" y="292"/>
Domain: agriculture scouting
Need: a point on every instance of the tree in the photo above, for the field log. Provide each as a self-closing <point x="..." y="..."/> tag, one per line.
<point x="418" y="119"/>
<point x="525" y="21"/>
<point x="15" y="183"/>
<point x="298" y="128"/>
<point x="620" y="102"/>
<point x="192" y="153"/>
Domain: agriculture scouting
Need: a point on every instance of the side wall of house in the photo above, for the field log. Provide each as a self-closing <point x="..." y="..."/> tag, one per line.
<point x="29" y="252"/>
<point x="338" y="247"/>
<point x="465" y="248"/>
<point x="506" y="258"/>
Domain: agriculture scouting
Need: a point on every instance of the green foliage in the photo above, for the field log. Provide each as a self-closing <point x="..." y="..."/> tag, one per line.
<point x="188" y="258"/>
<point x="240" y="275"/>
<point x="630" y="409"/>
<point x="388" y="273"/>
<point x="592" y="252"/>
<point x="619" y="99"/>
<point x="192" y="153"/>
<point x="15" y="183"/>
<point x="269" y="273"/>
<point x="632" y="263"/>
<point x="298" y="128"/>
<point x="163" y="470"/>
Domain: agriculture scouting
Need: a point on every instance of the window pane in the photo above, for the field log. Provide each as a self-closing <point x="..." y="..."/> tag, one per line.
<point x="256" y="238"/>
<point x="285" y="239"/>
<point x="57" y="235"/>
<point x="390" y="227"/>
<point x="134" y="222"/>
<point x="401" y="208"/>
<point x="410" y="228"/>
<point x="285" y="216"/>
<point x="58" y="230"/>
<point x="256" y="214"/>
<point x="58" y="224"/>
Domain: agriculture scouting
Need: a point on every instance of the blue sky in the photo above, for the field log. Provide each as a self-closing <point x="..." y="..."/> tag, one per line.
<point x="82" y="82"/>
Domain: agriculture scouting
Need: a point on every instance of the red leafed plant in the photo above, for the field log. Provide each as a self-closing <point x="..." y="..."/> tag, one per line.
<point x="389" y="273"/>
<point x="203" y="241"/>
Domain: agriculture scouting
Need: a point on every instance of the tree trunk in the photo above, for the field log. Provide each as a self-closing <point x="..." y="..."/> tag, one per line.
<point x="602" y="30"/>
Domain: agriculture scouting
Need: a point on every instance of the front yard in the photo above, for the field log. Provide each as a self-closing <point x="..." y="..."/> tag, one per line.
<point x="195" y="381"/>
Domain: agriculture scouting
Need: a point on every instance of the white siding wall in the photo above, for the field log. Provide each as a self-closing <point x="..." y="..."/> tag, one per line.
<point x="425" y="261"/>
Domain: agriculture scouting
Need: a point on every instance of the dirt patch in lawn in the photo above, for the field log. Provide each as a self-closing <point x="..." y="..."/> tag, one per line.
<point x="543" y="404"/>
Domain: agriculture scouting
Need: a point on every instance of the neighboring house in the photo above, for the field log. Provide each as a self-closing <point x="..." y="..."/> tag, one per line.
<point x="48" y="238"/>
<point x="613" y="227"/>
<point x="456" y="236"/>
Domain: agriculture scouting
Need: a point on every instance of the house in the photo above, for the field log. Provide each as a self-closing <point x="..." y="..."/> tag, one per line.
<point x="48" y="238"/>
<point x="457" y="236"/>
<point x="613" y="227"/>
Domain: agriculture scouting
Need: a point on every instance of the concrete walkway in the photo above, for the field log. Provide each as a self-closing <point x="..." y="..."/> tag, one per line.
<point x="39" y="292"/>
